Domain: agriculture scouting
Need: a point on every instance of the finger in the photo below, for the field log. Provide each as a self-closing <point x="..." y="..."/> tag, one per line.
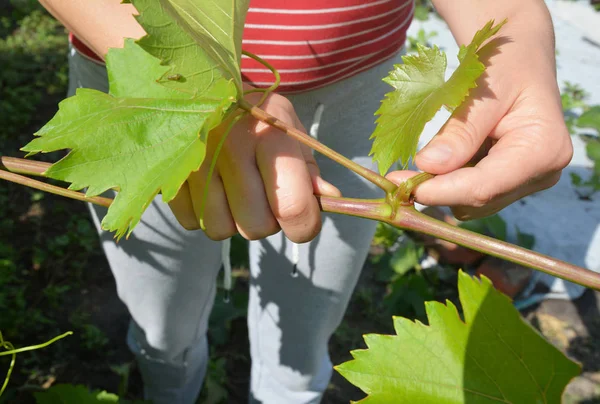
<point x="519" y="164"/>
<point x="459" y="140"/>
<point x="245" y="193"/>
<point x="288" y="185"/>
<point x="182" y="208"/>
<point x="218" y="220"/>
<point x="462" y="212"/>
<point x="469" y="213"/>
<point x="320" y="186"/>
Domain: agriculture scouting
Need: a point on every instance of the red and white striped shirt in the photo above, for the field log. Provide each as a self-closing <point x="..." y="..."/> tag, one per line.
<point x="313" y="43"/>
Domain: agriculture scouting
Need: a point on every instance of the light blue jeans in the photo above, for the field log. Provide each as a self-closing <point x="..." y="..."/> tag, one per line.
<point x="166" y="275"/>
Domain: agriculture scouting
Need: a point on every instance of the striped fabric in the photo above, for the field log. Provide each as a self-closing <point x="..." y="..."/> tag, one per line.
<point x="313" y="43"/>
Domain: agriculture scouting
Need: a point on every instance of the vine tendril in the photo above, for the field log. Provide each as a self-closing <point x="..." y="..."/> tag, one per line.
<point x="10" y="350"/>
<point x="270" y="89"/>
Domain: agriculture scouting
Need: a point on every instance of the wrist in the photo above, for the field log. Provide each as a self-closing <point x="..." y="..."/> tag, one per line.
<point x="527" y="19"/>
<point x="526" y="40"/>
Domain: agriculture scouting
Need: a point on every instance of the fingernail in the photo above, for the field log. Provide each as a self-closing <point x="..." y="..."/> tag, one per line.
<point x="439" y="153"/>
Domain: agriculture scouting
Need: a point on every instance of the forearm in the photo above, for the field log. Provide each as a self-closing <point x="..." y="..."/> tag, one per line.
<point x="101" y="24"/>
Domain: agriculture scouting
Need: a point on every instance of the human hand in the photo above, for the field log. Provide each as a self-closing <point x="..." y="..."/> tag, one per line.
<point x="264" y="181"/>
<point x="509" y="141"/>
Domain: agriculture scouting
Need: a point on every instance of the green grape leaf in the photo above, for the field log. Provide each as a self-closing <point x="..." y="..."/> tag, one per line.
<point x="138" y="146"/>
<point x="420" y="91"/>
<point x="406" y="257"/>
<point x="70" y="394"/>
<point x="492" y="356"/>
<point x="386" y="235"/>
<point x="213" y="27"/>
<point x="593" y="150"/>
<point x="191" y="68"/>
<point x="141" y="139"/>
<point x="590" y="118"/>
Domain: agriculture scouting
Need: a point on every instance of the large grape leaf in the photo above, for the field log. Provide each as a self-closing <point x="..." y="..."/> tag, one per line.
<point x="491" y="357"/>
<point x="181" y="30"/>
<point x="138" y="146"/>
<point x="420" y="91"/>
<point x="141" y="139"/>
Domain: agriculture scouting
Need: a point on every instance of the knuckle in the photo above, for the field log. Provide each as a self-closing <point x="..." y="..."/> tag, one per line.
<point x="312" y="166"/>
<point x="257" y="232"/>
<point x="463" y="131"/>
<point x="188" y="224"/>
<point x="463" y="213"/>
<point x="187" y="220"/>
<point x="481" y="197"/>
<point x="564" y="154"/>
<point x="292" y="211"/>
<point x="553" y="148"/>
<point x="550" y="181"/>
<point x="280" y="102"/>
<point x="307" y="233"/>
<point x="219" y="235"/>
<point x="555" y="178"/>
<point x="281" y="108"/>
<point x="283" y="113"/>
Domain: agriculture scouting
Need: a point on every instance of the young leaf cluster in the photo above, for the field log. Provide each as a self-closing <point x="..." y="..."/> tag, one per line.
<point x="420" y="91"/>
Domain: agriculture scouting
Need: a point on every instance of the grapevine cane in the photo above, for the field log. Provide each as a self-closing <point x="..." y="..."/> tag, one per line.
<point x="405" y="217"/>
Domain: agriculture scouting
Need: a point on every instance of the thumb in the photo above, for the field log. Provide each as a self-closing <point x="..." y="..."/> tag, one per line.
<point x="462" y="136"/>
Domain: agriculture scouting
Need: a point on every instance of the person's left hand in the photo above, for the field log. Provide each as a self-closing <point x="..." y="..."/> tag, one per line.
<point x="508" y="141"/>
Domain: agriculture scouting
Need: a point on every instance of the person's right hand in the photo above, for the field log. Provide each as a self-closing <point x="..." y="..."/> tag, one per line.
<point x="264" y="181"/>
